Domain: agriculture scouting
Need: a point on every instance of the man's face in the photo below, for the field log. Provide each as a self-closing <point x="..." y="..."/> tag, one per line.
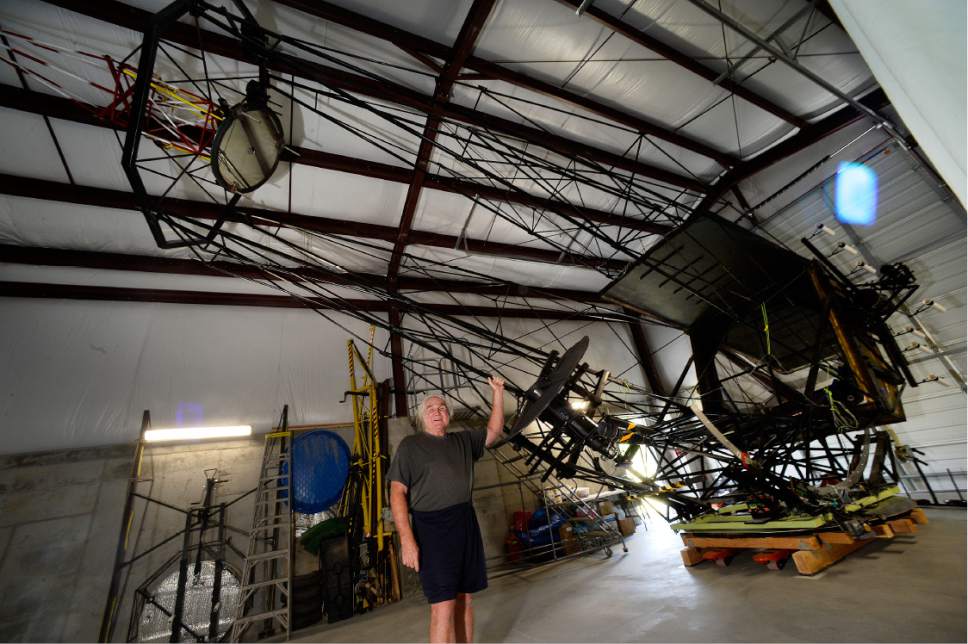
<point x="435" y="415"/>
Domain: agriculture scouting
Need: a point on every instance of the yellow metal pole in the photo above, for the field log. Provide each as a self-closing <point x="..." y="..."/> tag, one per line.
<point x="377" y="455"/>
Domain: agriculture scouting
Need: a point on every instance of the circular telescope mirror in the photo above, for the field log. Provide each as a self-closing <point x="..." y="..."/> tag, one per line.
<point x="246" y="148"/>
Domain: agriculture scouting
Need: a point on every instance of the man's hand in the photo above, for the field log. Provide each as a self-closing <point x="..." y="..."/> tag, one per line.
<point x="410" y="554"/>
<point x="495" y="424"/>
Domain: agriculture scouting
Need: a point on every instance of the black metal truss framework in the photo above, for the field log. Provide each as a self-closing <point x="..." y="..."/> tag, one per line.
<point x="692" y="470"/>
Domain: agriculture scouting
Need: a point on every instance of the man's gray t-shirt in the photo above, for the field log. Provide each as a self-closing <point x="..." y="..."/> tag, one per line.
<point x="438" y="470"/>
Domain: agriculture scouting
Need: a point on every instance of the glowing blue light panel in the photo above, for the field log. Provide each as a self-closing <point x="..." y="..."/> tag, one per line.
<point x="855" y="197"/>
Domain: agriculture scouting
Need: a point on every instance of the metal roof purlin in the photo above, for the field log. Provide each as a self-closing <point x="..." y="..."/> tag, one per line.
<point x="123" y="15"/>
<point x="796" y="143"/>
<point x="70" y="110"/>
<point x="463" y="47"/>
<point x="415" y="44"/>
<point x="781" y="55"/>
<point x="683" y="60"/>
<point x="174" y="296"/>
<point x="107" y="198"/>
<point x="44" y="256"/>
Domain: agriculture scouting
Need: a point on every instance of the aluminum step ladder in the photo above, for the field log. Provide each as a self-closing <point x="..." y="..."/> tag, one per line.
<point x="267" y="572"/>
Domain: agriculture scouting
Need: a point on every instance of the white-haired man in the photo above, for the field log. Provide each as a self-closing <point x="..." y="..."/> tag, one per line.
<point x="431" y="478"/>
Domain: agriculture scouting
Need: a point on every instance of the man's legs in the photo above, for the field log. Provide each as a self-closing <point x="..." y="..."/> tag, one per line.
<point x="442" y="621"/>
<point x="464" y="618"/>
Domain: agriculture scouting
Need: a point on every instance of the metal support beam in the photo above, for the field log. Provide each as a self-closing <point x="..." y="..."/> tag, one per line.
<point x="780" y="389"/>
<point x="932" y="344"/>
<point x="470" y="189"/>
<point x="414" y="44"/>
<point x="40" y="290"/>
<point x="77" y="112"/>
<point x="106" y="198"/>
<point x="396" y="364"/>
<point x="685" y="61"/>
<point x="463" y="46"/>
<point x="187" y="35"/>
<point x="38" y="256"/>
<point x="645" y="357"/>
<point x="753" y="37"/>
<point x="803" y="139"/>
<point x="705" y="339"/>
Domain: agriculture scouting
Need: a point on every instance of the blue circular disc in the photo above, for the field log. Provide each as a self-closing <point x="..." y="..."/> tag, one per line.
<point x="321" y="463"/>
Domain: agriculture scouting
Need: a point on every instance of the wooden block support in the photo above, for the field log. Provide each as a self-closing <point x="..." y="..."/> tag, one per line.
<point x="903" y="526"/>
<point x="691" y="556"/>
<point x="810" y="562"/>
<point x="812" y="552"/>
<point x="801" y="542"/>
<point x="836" y="537"/>
<point x="883" y="531"/>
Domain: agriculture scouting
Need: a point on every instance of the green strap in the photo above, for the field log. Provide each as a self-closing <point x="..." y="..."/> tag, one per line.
<point x="766" y="329"/>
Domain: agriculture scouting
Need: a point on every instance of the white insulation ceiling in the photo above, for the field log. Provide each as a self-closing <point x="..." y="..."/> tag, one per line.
<point x="76" y="373"/>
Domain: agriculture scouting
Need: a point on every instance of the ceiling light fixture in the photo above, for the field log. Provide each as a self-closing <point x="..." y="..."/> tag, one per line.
<point x="196" y="433"/>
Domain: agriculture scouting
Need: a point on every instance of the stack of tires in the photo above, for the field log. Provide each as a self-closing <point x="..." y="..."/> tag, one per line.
<point x="307" y="599"/>
<point x="337" y="578"/>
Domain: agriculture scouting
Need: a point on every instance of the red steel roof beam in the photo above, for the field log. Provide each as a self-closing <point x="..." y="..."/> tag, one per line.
<point x="184" y="34"/>
<point x="43" y="256"/>
<point x="121" y="294"/>
<point x="685" y="61"/>
<point x="69" y="110"/>
<point x="463" y="47"/>
<point x="414" y="44"/>
<point x="106" y="198"/>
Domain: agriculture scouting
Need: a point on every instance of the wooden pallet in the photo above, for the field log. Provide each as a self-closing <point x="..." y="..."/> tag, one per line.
<point x="811" y="552"/>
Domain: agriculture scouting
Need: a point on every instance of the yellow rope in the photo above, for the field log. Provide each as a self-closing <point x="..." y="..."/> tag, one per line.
<point x="843" y="417"/>
<point x="165" y="90"/>
<point x="766" y="329"/>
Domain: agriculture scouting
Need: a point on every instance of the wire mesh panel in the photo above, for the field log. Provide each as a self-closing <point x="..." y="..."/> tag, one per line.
<point x="159" y="605"/>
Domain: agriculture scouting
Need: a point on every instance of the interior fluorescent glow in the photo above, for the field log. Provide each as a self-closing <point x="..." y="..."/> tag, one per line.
<point x="196" y="433"/>
<point x="855" y="199"/>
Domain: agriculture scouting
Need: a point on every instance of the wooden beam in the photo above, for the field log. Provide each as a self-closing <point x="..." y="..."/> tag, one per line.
<point x="795" y="542"/>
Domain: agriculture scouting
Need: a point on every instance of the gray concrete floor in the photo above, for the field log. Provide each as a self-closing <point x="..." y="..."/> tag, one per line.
<point x="911" y="589"/>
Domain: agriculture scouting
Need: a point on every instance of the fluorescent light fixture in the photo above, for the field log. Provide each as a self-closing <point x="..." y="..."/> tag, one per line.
<point x="196" y="433"/>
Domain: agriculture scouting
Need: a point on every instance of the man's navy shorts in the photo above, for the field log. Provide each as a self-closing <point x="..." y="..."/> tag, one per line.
<point x="451" y="552"/>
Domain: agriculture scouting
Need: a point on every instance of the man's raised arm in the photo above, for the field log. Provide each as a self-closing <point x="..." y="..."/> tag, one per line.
<point x="495" y="424"/>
